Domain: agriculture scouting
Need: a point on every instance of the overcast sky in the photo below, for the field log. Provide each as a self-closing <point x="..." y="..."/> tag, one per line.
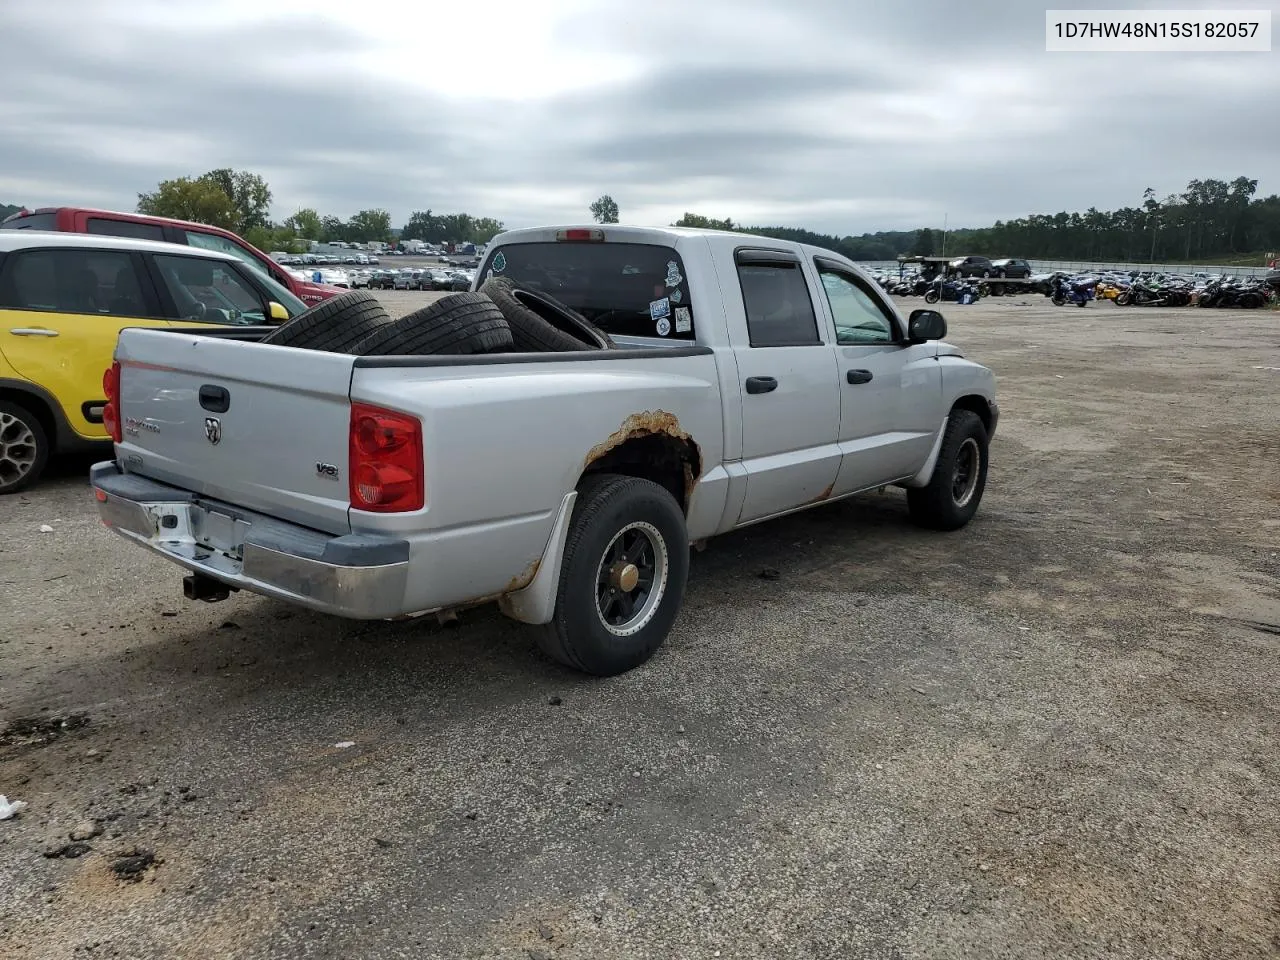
<point x="838" y="116"/>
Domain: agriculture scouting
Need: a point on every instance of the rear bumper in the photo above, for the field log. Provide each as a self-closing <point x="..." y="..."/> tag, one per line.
<point x="359" y="576"/>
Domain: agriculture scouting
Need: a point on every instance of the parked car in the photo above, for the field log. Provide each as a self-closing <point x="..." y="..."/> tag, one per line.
<point x="971" y="267"/>
<point x="384" y="486"/>
<point x="142" y="227"/>
<point x="1011" y="268"/>
<point x="405" y="280"/>
<point x="64" y="298"/>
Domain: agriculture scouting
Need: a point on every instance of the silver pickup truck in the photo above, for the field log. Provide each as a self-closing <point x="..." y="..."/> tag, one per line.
<point x="742" y="378"/>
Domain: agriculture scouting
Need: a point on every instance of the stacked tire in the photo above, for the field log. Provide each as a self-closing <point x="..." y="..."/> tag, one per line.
<point x="502" y="317"/>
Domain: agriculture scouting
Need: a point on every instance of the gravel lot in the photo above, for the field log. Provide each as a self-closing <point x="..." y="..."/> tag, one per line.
<point x="1052" y="734"/>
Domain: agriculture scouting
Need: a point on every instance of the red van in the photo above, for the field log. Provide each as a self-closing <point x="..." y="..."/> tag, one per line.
<point x="142" y="227"/>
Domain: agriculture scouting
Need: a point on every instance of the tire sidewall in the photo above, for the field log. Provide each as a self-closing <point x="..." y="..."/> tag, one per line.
<point x="598" y="650"/>
<point x="963" y="428"/>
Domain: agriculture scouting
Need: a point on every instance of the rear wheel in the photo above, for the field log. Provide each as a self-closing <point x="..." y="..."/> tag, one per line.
<point x="959" y="477"/>
<point x="622" y="578"/>
<point x="24" y="447"/>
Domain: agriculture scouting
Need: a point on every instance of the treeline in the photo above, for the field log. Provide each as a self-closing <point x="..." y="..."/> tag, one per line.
<point x="1210" y="220"/>
<point x="240" y="201"/>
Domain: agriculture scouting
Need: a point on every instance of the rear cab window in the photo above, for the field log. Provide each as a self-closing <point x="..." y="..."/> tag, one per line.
<point x="625" y="289"/>
<point x="35" y="221"/>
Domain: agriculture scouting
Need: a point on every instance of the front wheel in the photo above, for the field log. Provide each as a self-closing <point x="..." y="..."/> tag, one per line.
<point x="959" y="477"/>
<point x="1059" y="301"/>
<point x="622" y="578"/>
<point x="932" y="296"/>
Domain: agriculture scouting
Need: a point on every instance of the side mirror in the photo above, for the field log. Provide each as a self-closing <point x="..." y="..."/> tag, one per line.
<point x="277" y="312"/>
<point x="925" y="325"/>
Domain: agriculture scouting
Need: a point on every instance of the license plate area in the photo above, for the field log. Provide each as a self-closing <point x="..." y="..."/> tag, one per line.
<point x="218" y="532"/>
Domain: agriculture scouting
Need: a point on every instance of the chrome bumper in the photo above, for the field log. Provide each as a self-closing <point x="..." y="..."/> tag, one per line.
<point x="358" y="576"/>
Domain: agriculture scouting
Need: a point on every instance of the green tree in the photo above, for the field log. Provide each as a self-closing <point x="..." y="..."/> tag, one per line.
<point x="605" y="210"/>
<point x="9" y="209"/>
<point x="422" y="225"/>
<point x="485" y="229"/>
<point x="332" y="228"/>
<point x="369" y="225"/>
<point x="306" y="224"/>
<point x="704" y="223"/>
<point x="924" y="243"/>
<point x="249" y="194"/>
<point x="198" y="200"/>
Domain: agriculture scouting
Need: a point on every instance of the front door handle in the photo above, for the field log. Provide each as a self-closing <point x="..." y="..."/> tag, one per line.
<point x="761" y="384"/>
<point x="858" y="376"/>
<point x="33" y="332"/>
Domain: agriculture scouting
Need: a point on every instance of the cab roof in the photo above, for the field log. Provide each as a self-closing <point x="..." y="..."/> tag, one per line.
<point x="11" y="240"/>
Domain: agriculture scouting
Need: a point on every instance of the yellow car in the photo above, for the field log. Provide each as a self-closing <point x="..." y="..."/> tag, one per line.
<point x="64" y="298"/>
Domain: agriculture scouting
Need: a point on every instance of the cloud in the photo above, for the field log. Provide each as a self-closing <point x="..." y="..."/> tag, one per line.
<point x="843" y="118"/>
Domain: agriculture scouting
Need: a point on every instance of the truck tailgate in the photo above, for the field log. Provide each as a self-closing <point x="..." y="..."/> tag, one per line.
<point x="263" y="427"/>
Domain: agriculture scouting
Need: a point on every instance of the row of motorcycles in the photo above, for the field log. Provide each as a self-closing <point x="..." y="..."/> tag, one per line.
<point x="1122" y="290"/>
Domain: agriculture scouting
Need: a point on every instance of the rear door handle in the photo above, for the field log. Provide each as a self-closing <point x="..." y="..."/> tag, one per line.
<point x="858" y="376"/>
<point x="761" y="384"/>
<point x="33" y="332"/>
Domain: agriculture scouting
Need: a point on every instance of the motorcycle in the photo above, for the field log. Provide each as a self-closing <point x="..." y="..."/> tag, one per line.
<point x="956" y="289"/>
<point x="1078" y="291"/>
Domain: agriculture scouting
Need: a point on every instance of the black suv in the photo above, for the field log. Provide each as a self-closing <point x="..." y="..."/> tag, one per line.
<point x="1012" y="268"/>
<point x="971" y="267"/>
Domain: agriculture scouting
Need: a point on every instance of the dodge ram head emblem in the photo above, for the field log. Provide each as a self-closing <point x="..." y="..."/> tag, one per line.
<point x="212" y="429"/>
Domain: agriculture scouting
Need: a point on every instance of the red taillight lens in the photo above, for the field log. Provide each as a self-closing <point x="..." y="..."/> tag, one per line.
<point x="385" y="464"/>
<point x="111" y="412"/>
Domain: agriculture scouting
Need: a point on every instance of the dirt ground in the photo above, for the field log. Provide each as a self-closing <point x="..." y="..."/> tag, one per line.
<point x="1051" y="734"/>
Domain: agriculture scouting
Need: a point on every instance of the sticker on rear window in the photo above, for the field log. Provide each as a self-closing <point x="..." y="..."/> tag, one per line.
<point x="676" y="296"/>
<point x="499" y="262"/>
<point x="683" y="322"/>
<point x="663" y="327"/>
<point x="673" y="274"/>
<point x="660" y="308"/>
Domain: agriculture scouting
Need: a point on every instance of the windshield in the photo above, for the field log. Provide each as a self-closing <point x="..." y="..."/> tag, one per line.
<point x="626" y="289"/>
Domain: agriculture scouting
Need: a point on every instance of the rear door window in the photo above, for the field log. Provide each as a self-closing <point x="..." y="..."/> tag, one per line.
<point x="210" y="291"/>
<point x="626" y="289"/>
<point x="779" y="308"/>
<point x="105" y="282"/>
<point x="124" y="228"/>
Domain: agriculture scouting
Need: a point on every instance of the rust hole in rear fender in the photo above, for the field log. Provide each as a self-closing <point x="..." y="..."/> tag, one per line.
<point x="655" y="423"/>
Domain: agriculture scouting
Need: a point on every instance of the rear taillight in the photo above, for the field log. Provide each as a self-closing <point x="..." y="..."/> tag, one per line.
<point x="385" y="465"/>
<point x="111" y="412"/>
<point x="581" y="234"/>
